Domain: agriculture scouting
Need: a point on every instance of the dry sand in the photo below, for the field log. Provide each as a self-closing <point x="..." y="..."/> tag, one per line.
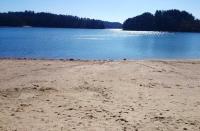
<point x="38" y="95"/>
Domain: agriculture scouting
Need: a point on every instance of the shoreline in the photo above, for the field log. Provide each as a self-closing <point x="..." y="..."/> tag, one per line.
<point x="97" y="60"/>
<point x="100" y="29"/>
<point x="99" y="95"/>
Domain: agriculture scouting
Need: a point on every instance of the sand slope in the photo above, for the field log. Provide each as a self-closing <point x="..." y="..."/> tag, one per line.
<point x="38" y="95"/>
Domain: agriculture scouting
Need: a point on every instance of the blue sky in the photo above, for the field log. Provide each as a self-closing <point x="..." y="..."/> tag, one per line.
<point x="111" y="10"/>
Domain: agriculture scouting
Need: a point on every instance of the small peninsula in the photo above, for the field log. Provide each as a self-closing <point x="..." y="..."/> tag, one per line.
<point x="43" y="19"/>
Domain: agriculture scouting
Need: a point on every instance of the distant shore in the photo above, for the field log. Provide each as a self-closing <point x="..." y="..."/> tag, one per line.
<point x="140" y="95"/>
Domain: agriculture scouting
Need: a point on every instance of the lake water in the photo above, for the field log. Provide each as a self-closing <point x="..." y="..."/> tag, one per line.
<point x="87" y="44"/>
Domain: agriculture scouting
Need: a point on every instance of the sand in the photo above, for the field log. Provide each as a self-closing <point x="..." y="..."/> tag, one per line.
<point x="55" y="95"/>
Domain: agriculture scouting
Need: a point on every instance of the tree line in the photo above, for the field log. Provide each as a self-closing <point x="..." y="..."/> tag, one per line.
<point x="170" y="20"/>
<point x="30" y="18"/>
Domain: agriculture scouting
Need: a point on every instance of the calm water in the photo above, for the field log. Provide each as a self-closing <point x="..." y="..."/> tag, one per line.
<point x="97" y="44"/>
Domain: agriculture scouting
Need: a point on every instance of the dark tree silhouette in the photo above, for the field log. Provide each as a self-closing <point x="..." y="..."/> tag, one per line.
<point x="30" y="18"/>
<point x="170" y="20"/>
<point x="142" y="22"/>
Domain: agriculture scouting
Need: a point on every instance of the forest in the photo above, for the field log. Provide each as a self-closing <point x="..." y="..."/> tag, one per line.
<point x="169" y="20"/>
<point x="30" y="18"/>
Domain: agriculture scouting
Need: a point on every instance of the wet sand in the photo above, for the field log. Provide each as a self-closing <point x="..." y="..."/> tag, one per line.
<point x="47" y="95"/>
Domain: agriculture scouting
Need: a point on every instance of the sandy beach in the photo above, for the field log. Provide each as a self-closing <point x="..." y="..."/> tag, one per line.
<point x="55" y="95"/>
